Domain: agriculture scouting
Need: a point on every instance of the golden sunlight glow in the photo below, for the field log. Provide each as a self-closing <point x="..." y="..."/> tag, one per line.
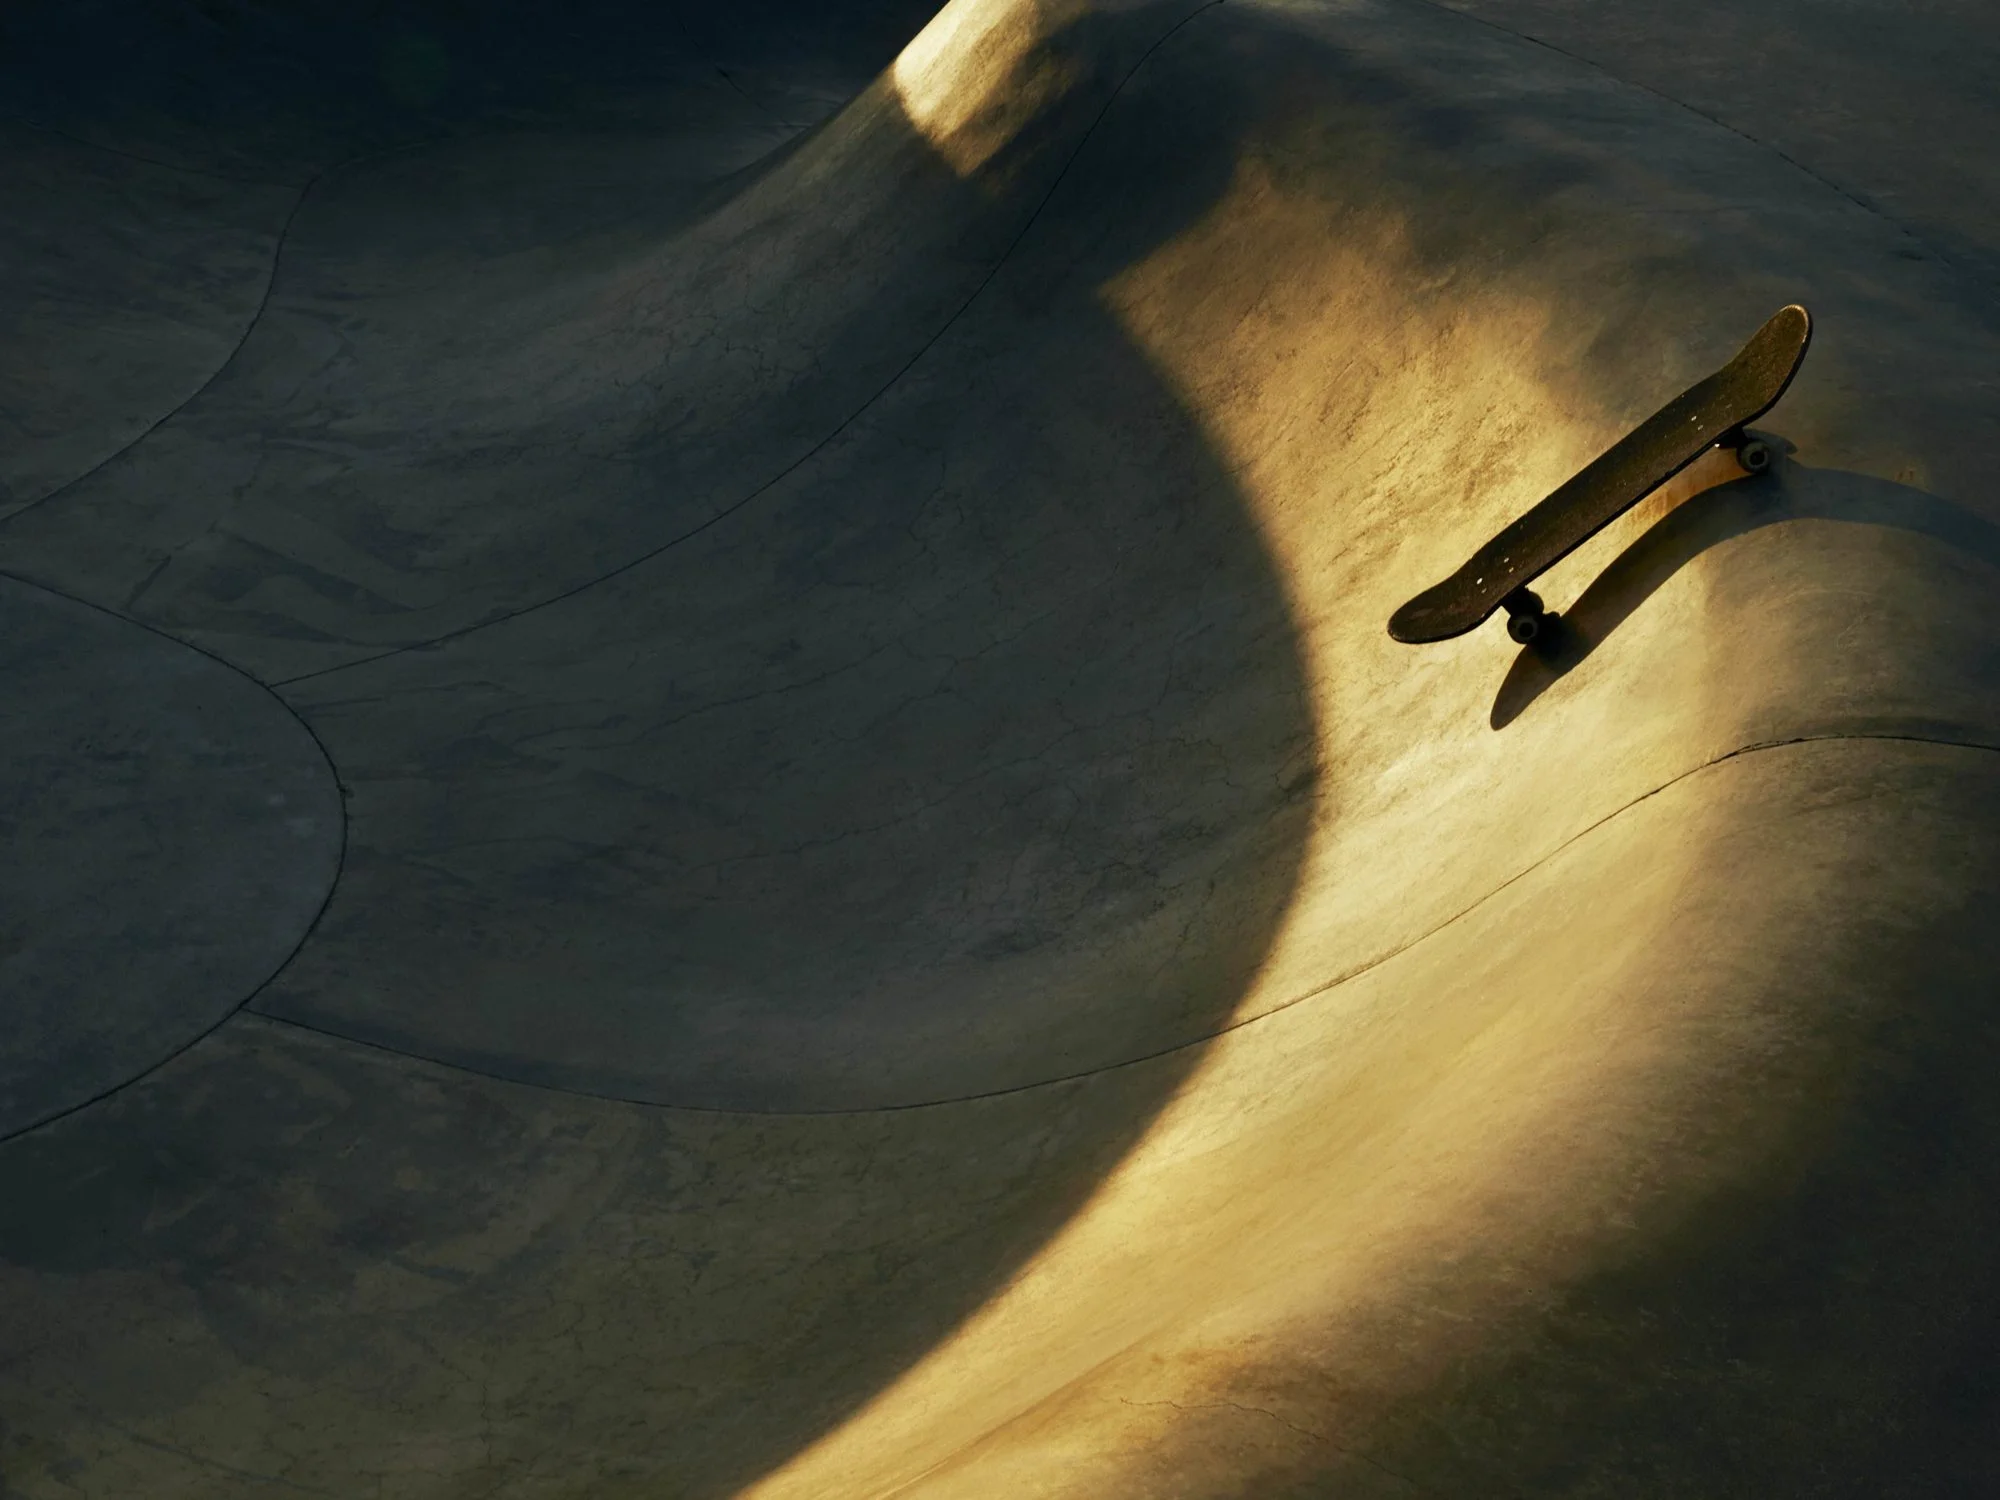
<point x="976" y="75"/>
<point x="1437" y="1115"/>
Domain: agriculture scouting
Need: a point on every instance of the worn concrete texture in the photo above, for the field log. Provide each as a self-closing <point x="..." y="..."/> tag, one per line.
<point x="706" y="795"/>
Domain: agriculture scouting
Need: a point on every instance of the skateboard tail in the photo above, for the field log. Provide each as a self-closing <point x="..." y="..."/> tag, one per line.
<point x="1434" y="616"/>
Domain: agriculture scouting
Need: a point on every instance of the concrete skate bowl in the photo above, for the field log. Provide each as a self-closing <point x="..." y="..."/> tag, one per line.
<point x="709" y="797"/>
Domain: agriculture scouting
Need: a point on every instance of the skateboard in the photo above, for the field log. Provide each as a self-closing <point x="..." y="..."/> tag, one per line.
<point x="1709" y="413"/>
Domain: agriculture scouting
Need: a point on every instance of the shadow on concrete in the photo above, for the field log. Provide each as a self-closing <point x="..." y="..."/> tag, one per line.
<point x="696" y="835"/>
<point x="1733" y="508"/>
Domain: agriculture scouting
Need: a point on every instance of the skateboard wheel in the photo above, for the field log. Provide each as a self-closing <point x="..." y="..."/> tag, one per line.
<point x="1525" y="615"/>
<point x="1754" y="455"/>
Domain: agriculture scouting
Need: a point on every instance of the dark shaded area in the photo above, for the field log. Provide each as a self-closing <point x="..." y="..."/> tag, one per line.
<point x="1887" y="101"/>
<point x="974" y="755"/>
<point x="491" y="372"/>
<point x="662" y="1303"/>
<point x="253" y="87"/>
<point x="170" y="832"/>
<point x="288" y="1263"/>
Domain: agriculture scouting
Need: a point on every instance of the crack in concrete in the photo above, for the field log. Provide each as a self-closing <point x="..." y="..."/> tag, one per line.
<point x="204" y="1462"/>
<point x="255" y="320"/>
<point x="831" y="437"/>
<point x="1305" y="1432"/>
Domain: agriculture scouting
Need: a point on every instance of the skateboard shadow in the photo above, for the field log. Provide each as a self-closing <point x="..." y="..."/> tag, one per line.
<point x="1728" y="508"/>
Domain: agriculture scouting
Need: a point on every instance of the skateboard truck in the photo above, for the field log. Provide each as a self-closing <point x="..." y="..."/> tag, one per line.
<point x="1529" y="621"/>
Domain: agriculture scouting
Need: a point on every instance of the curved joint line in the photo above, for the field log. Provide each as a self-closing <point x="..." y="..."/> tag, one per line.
<point x="1701" y="114"/>
<point x="1178" y="1047"/>
<point x="249" y="326"/>
<point x="819" y="446"/>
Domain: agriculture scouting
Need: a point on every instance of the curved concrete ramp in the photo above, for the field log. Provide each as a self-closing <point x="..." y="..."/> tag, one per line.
<point x="900" y="925"/>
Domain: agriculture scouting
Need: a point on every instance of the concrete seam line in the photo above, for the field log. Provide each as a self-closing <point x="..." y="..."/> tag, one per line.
<point x="305" y="934"/>
<point x="247" y="1005"/>
<point x="1721" y="124"/>
<point x="249" y="327"/>
<point x="1739" y="753"/>
<point x="1000" y="262"/>
<point x="151" y="161"/>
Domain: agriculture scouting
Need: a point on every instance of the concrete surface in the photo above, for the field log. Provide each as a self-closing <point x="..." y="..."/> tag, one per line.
<point x="708" y="798"/>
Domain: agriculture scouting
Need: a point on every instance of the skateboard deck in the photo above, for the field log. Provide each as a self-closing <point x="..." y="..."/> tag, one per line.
<point x="1708" y="413"/>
